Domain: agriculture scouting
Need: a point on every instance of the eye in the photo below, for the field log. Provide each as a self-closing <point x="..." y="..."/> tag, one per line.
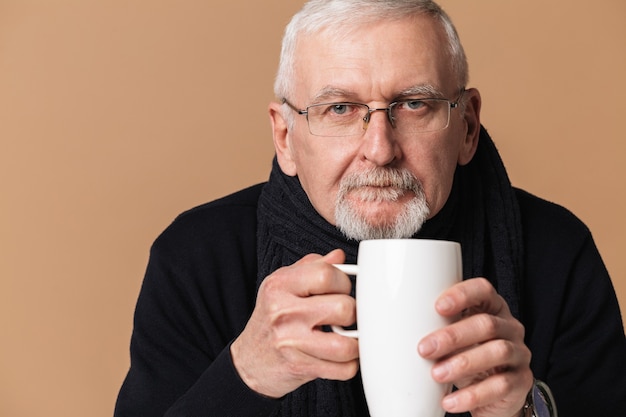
<point x="336" y="110"/>
<point x="339" y="109"/>
<point x="413" y="104"/>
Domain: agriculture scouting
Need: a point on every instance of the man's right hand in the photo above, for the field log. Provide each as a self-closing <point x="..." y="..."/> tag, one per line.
<point x="283" y="345"/>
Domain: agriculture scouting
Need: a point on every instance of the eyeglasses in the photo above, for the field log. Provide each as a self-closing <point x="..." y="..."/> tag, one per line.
<point x="408" y="116"/>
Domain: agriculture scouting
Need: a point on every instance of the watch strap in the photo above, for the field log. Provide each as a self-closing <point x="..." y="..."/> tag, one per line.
<point x="539" y="401"/>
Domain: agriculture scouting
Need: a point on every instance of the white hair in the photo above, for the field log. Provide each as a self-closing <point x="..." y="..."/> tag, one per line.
<point x="340" y="16"/>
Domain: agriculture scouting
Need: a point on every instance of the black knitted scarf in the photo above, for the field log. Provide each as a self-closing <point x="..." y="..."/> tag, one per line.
<point x="481" y="213"/>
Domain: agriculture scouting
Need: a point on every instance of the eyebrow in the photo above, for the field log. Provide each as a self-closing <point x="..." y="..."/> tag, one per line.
<point x="330" y="93"/>
<point x="427" y="90"/>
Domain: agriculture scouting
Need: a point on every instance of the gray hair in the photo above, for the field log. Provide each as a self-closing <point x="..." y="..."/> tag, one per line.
<point x="341" y="15"/>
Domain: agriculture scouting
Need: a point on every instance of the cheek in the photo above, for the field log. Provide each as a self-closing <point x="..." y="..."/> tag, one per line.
<point x="440" y="176"/>
<point x="320" y="172"/>
<point x="321" y="193"/>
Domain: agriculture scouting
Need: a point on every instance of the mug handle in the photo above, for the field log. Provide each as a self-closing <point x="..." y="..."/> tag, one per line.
<point x="350" y="270"/>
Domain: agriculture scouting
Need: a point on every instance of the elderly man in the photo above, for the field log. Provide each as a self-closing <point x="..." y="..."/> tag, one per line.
<point x="376" y="136"/>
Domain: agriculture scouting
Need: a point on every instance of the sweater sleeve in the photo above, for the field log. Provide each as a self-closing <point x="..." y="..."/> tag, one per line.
<point x="588" y="359"/>
<point x="571" y="314"/>
<point x="196" y="297"/>
<point x="220" y="392"/>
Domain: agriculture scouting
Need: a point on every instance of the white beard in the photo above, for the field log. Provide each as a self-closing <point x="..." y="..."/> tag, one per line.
<point x="396" y="183"/>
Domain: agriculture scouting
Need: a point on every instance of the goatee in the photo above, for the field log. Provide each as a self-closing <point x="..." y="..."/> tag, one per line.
<point x="381" y="185"/>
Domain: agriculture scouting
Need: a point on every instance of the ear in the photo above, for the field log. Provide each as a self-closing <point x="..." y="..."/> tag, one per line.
<point x="282" y="139"/>
<point x="472" y="121"/>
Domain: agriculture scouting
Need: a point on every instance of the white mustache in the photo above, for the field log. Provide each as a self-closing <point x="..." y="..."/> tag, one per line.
<point x="388" y="184"/>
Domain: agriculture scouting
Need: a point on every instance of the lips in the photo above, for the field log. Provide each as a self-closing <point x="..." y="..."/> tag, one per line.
<point x="379" y="185"/>
<point x="377" y="193"/>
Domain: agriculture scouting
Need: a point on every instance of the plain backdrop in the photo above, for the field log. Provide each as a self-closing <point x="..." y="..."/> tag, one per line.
<point x="117" y="115"/>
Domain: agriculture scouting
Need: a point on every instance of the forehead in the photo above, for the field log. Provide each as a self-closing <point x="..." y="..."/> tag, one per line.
<point x="376" y="61"/>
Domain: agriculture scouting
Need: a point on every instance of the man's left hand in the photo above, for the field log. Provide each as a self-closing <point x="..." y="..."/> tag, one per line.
<point x="483" y="354"/>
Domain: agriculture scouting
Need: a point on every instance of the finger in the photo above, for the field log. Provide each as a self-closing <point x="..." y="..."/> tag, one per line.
<point x="334" y="256"/>
<point x="324" y="346"/>
<point x="468" y="332"/>
<point x="310" y="351"/>
<point x="329" y="309"/>
<point x="297" y="324"/>
<point x="481" y="361"/>
<point x="500" y="394"/>
<point x="323" y="278"/>
<point x="311" y="275"/>
<point x="339" y="360"/>
<point x="289" y="315"/>
<point x="340" y="371"/>
<point x="475" y="295"/>
<point x="294" y="360"/>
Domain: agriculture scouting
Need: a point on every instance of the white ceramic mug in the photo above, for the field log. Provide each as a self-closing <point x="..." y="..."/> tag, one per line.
<point x="398" y="281"/>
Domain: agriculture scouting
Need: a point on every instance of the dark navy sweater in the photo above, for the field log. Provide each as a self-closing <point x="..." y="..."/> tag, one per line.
<point x="199" y="292"/>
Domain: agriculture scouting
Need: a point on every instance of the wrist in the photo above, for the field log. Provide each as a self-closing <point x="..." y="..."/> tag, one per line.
<point x="539" y="401"/>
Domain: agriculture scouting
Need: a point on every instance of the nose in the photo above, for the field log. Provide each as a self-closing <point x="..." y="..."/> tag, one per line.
<point x="379" y="145"/>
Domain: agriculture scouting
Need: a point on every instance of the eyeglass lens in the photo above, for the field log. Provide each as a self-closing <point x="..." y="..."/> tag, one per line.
<point x="348" y="119"/>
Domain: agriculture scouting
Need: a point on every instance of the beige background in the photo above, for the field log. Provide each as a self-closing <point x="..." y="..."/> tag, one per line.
<point x="117" y="115"/>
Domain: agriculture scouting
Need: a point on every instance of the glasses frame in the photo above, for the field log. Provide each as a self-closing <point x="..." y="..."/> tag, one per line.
<point x="452" y="104"/>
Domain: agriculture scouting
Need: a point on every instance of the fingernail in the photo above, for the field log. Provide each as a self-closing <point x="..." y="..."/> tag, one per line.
<point x="427" y="347"/>
<point x="450" y="402"/>
<point x="445" y="304"/>
<point x="441" y="371"/>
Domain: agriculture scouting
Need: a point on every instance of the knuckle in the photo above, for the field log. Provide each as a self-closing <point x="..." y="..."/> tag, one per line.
<point x="510" y="382"/>
<point x="285" y="348"/>
<point x="526" y="355"/>
<point x="462" y="363"/>
<point x="519" y="329"/>
<point x="345" y="310"/>
<point x="489" y="324"/>
<point x="471" y="396"/>
<point x="503" y="349"/>
<point x="504" y="384"/>
<point x="341" y="308"/>
<point x="272" y="284"/>
<point x="322" y="278"/>
<point x="450" y="336"/>
<point x="276" y="314"/>
<point x="528" y="378"/>
<point x="485" y="286"/>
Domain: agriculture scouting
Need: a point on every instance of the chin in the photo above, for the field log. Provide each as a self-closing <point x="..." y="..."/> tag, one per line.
<point x="389" y="220"/>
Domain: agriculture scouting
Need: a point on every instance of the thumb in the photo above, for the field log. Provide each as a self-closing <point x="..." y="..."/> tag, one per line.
<point x="336" y="256"/>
